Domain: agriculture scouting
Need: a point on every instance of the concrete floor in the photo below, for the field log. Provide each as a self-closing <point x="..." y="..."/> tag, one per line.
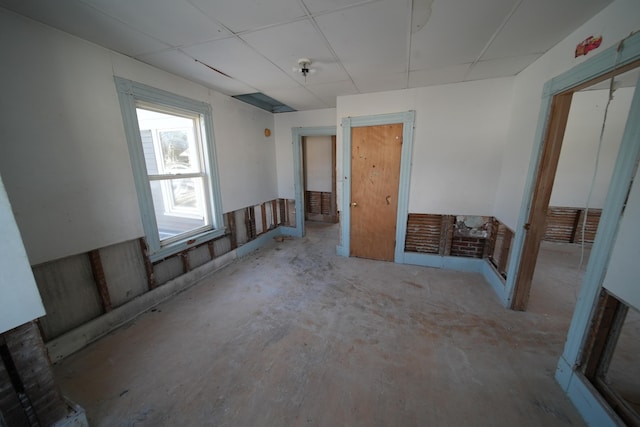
<point x="294" y="335"/>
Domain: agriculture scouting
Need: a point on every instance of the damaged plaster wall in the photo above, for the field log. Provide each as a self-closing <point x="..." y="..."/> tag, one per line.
<point x="64" y="155"/>
<point x="614" y="23"/>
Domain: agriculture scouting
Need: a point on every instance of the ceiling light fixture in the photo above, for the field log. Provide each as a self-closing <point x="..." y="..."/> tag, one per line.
<point x="304" y="68"/>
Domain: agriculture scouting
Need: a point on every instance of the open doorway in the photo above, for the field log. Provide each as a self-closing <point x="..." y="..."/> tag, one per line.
<point x="561" y="105"/>
<point x="319" y="178"/>
<point x="298" y="136"/>
<point x="590" y="146"/>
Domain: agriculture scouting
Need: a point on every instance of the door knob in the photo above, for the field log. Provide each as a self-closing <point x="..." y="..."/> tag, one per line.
<point x="354" y="204"/>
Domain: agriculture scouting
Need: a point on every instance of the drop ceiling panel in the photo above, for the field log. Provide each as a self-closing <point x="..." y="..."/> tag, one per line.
<point x="438" y="76"/>
<point x="328" y="92"/>
<point x="285" y="44"/>
<point x="500" y="67"/>
<point x="538" y="25"/>
<point x="241" y="15"/>
<point x="316" y="6"/>
<point x="372" y="37"/>
<point x="298" y="98"/>
<point x="233" y="57"/>
<point x="457" y="31"/>
<point x="178" y="63"/>
<point x="381" y="82"/>
<point x="77" y="18"/>
<point x="175" y="22"/>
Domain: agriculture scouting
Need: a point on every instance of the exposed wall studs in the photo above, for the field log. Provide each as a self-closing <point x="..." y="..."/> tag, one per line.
<point x="148" y="266"/>
<point x="100" y="279"/>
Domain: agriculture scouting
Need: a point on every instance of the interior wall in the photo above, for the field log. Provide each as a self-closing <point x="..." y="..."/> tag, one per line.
<point x="460" y="129"/>
<point x="318" y="163"/>
<point x="580" y="147"/>
<point x="614" y="23"/>
<point x="20" y="302"/>
<point x="284" y="122"/>
<point x="64" y="156"/>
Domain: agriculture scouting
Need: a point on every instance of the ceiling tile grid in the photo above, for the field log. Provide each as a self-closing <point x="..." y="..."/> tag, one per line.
<point x="355" y="45"/>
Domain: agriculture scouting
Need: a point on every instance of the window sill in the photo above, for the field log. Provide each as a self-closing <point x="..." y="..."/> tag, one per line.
<point x="182" y="245"/>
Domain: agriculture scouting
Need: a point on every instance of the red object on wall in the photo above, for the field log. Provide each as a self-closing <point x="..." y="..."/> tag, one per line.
<point x="587" y="45"/>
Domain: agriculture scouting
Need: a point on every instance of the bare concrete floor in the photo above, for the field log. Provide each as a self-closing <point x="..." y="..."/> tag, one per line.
<point x="294" y="335"/>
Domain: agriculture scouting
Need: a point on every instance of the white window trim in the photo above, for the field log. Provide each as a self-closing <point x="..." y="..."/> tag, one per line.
<point x="129" y="93"/>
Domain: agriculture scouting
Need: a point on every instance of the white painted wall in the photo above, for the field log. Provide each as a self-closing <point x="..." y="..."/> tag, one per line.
<point x="284" y="122"/>
<point x="20" y="302"/>
<point x="580" y="147"/>
<point x="623" y="271"/>
<point x="460" y="131"/>
<point x="614" y="23"/>
<point x="64" y="155"/>
<point x="318" y="163"/>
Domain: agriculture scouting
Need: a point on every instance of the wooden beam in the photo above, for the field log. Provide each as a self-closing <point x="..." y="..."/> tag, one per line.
<point x="274" y="212"/>
<point x="507" y="239"/>
<point x="186" y="265"/>
<point x="100" y="279"/>
<point x="148" y="266"/>
<point x="233" y="239"/>
<point x="263" y="209"/>
<point x="535" y="226"/>
<point x="334" y="205"/>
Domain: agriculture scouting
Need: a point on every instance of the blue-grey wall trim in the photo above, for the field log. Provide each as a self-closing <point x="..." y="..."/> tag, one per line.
<point x="407" y="119"/>
<point x="590" y="404"/>
<point x="495" y="280"/>
<point x="258" y="242"/>
<point x="585" y="397"/>
<point x="520" y="232"/>
<point x="470" y="265"/>
<point x="128" y="93"/>
<point x="298" y="179"/>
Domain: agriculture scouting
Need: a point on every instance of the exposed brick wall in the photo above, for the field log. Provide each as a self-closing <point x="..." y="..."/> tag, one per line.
<point x="440" y="235"/>
<point x="471" y="247"/>
<point x="318" y="202"/>
<point x="564" y="224"/>
<point x="423" y="233"/>
<point x="28" y="391"/>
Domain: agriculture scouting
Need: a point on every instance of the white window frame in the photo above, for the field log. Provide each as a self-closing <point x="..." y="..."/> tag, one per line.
<point x="131" y="93"/>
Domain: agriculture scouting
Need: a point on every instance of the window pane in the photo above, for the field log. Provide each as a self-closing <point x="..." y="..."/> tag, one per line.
<point x="179" y="206"/>
<point x="170" y="142"/>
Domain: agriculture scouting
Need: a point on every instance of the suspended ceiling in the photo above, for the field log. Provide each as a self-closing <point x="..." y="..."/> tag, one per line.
<point x="245" y="46"/>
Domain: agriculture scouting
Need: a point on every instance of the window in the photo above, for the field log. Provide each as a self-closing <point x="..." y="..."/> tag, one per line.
<point x="172" y="154"/>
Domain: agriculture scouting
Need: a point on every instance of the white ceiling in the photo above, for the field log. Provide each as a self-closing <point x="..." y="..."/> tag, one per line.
<point x="356" y="46"/>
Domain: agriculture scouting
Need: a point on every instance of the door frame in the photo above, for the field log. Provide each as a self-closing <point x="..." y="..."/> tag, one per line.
<point x="298" y="172"/>
<point x="556" y="101"/>
<point x="568" y="374"/>
<point x="407" y="119"/>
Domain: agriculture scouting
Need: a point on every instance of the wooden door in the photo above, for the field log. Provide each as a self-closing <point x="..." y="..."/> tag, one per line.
<point x="375" y="176"/>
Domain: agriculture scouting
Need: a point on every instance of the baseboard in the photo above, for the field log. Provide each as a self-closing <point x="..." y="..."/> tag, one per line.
<point x="496" y="281"/>
<point x="590" y="404"/>
<point x="78" y="338"/>
<point x="470" y="265"/>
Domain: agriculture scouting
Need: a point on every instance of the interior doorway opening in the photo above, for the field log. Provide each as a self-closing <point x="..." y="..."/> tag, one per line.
<point x="590" y="146"/>
<point x="298" y="136"/>
<point x="564" y="125"/>
<point x="319" y="178"/>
